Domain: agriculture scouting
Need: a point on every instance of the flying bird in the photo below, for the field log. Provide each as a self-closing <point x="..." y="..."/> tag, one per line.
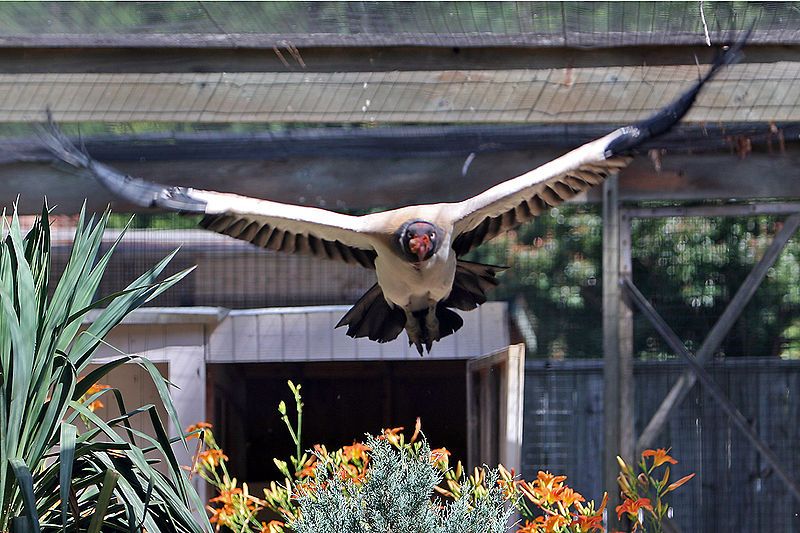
<point x="415" y="251"/>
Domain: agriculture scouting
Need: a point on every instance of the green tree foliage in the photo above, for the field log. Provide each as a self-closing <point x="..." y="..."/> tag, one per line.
<point x="689" y="267"/>
<point x="555" y="269"/>
<point x="692" y="267"/>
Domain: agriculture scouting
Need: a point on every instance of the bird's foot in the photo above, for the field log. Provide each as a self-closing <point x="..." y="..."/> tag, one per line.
<point x="416" y="336"/>
<point x="417" y="343"/>
<point x="431" y="327"/>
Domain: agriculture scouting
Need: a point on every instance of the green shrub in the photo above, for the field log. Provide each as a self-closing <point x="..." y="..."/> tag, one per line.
<point x="61" y="466"/>
<point x="397" y="495"/>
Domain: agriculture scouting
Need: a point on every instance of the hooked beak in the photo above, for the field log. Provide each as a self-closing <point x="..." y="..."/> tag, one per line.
<point x="420" y="246"/>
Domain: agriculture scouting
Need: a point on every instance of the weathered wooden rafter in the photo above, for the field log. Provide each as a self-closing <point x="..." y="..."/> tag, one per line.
<point x="751" y="92"/>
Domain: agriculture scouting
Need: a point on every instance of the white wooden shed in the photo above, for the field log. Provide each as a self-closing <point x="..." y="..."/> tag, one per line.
<point x="230" y="366"/>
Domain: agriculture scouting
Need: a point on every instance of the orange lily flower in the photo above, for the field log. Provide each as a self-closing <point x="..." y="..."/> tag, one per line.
<point x="212" y="457"/>
<point x="305" y="488"/>
<point x="547" y="488"/>
<point x="632" y="507"/>
<point x="588" y="523"/>
<point x="200" y="426"/>
<point x="551" y="523"/>
<point x="309" y="468"/>
<point x="568" y="497"/>
<point x="356" y="452"/>
<point x="439" y="455"/>
<point x="230" y="500"/>
<point x="95" y="388"/>
<point x="392" y="434"/>
<point x="509" y="487"/>
<point x="348" y="472"/>
<point x="660" y="457"/>
<point x="528" y="527"/>
<point x="274" y="526"/>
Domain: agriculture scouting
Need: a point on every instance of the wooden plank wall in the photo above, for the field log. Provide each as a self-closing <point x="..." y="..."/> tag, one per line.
<point x="734" y="489"/>
<point x="298" y="334"/>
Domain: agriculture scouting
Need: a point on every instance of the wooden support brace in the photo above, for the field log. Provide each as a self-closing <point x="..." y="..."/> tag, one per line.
<point x="736" y="417"/>
<point x="715" y="337"/>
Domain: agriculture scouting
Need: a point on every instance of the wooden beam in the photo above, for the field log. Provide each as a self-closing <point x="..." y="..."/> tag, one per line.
<point x="138" y="58"/>
<point x="338" y="182"/>
<point x="557" y="38"/>
<point x="711" y="387"/>
<point x="617" y="351"/>
<point x="752" y="92"/>
<point x="730" y="210"/>
<point x="718" y="332"/>
<point x="719" y="176"/>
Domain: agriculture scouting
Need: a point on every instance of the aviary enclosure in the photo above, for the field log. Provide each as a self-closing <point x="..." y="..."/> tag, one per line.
<point x="660" y="309"/>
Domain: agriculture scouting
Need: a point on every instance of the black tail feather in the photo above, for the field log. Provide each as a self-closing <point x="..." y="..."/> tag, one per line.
<point x="471" y="283"/>
<point x="372" y="317"/>
<point x="449" y="323"/>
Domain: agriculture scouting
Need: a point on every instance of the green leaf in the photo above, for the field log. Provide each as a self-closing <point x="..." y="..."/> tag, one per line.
<point x="97" y="374"/>
<point x="42" y="424"/>
<point x="109" y="483"/>
<point x="112" y="315"/>
<point x="25" y="480"/>
<point x="166" y="397"/>
<point x="65" y="458"/>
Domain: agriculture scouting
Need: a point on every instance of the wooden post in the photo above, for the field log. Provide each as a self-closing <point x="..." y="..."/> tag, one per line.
<point x="617" y="345"/>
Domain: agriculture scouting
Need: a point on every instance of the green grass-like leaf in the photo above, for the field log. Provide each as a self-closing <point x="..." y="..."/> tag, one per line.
<point x="25" y="480"/>
<point x="103" y="500"/>
<point x="65" y="458"/>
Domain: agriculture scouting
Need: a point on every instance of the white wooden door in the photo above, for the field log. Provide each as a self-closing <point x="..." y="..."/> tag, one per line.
<point x="495" y="397"/>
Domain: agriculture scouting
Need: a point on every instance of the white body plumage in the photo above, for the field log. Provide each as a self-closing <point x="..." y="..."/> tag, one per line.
<point x="415" y="286"/>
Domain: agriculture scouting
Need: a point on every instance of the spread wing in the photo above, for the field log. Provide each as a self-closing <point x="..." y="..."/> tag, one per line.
<point x="519" y="199"/>
<point x="271" y="225"/>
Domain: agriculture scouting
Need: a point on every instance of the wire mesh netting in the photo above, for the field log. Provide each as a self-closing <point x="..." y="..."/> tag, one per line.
<point x="229" y="273"/>
<point x="689" y="267"/>
<point x="734" y="488"/>
<point x="408" y="88"/>
<point x="408" y="23"/>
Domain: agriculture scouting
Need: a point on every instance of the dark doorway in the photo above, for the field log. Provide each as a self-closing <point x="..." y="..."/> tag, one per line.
<point x="343" y="401"/>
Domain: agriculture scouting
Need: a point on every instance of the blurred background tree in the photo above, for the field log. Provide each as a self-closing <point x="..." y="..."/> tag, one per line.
<point x="689" y="267"/>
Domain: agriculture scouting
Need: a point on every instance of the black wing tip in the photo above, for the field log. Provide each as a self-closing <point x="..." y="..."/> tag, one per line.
<point x="59" y="145"/>
<point x="134" y="190"/>
<point x="665" y="119"/>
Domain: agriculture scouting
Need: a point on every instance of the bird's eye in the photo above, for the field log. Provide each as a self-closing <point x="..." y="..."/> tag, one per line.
<point x="433" y="235"/>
